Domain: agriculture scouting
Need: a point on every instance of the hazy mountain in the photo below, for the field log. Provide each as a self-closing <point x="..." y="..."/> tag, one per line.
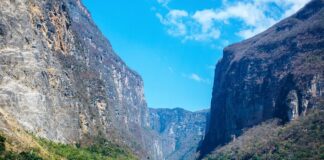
<point x="180" y="131"/>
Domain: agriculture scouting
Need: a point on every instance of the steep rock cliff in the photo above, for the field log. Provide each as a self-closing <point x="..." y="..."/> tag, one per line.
<point x="278" y="73"/>
<point x="180" y="131"/>
<point x="60" y="78"/>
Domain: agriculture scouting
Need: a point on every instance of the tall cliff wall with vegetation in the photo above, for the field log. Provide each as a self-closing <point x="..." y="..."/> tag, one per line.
<point x="61" y="80"/>
<point x="276" y="74"/>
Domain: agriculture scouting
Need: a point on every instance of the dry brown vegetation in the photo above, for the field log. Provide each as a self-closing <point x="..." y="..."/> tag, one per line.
<point x="17" y="144"/>
<point x="300" y="139"/>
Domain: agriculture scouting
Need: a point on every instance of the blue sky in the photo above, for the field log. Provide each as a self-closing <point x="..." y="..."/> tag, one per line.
<point x="175" y="44"/>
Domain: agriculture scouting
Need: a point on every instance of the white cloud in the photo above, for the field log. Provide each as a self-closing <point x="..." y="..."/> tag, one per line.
<point x="204" y="36"/>
<point x="247" y="33"/>
<point x="204" y="25"/>
<point x="205" y="18"/>
<point x="255" y="14"/>
<point x="292" y="6"/>
<point x="180" y="24"/>
<point x="252" y="15"/>
<point x="197" y="78"/>
<point x="248" y="13"/>
<point x="174" y="21"/>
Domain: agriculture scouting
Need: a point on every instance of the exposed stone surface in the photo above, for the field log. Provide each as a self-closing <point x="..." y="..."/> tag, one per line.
<point x="278" y="73"/>
<point x="60" y="78"/>
<point x="180" y="131"/>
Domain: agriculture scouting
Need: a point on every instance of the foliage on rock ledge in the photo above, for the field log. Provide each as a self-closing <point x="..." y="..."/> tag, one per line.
<point x="300" y="139"/>
<point x="100" y="150"/>
<point x="10" y="155"/>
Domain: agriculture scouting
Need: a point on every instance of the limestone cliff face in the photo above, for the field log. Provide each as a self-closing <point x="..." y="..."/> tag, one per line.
<point x="180" y="131"/>
<point x="60" y="78"/>
<point x="278" y="73"/>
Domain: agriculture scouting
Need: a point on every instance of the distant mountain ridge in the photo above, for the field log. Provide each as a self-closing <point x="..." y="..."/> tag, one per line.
<point x="180" y="131"/>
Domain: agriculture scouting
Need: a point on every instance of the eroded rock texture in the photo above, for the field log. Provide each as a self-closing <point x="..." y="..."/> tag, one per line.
<point x="60" y="78"/>
<point x="180" y="131"/>
<point x="278" y="73"/>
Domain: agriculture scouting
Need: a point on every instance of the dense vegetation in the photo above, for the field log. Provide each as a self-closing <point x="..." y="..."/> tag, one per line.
<point x="9" y="155"/>
<point x="300" y="139"/>
<point x="100" y="150"/>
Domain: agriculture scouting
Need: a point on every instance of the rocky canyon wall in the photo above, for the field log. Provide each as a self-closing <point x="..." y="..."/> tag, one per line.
<point x="61" y="80"/>
<point x="276" y="74"/>
<point x="180" y="131"/>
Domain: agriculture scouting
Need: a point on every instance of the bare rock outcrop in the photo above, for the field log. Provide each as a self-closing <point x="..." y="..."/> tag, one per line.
<point x="180" y="131"/>
<point x="61" y="80"/>
<point x="276" y="74"/>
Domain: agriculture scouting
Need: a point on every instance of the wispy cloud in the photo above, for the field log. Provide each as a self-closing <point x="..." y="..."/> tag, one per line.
<point x="164" y="2"/>
<point x="175" y="22"/>
<point x="197" y="78"/>
<point x="258" y="15"/>
<point x="180" y="24"/>
<point x="204" y="25"/>
<point x="250" y="14"/>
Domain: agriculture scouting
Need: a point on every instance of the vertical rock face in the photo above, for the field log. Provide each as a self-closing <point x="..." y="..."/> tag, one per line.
<point x="180" y="131"/>
<point x="60" y="78"/>
<point x="278" y="73"/>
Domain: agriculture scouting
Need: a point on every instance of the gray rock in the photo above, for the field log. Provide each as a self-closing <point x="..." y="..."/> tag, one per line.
<point x="180" y="131"/>
<point x="61" y="79"/>
<point x="276" y="74"/>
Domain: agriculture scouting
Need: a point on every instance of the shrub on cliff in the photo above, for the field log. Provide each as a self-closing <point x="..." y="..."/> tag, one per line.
<point x="10" y="155"/>
<point x="300" y="139"/>
<point x="99" y="150"/>
<point x="21" y="156"/>
<point x="2" y="144"/>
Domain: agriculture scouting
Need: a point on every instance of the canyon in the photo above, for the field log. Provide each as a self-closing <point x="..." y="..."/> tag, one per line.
<point x="63" y="86"/>
<point x="276" y="74"/>
<point x="61" y="80"/>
